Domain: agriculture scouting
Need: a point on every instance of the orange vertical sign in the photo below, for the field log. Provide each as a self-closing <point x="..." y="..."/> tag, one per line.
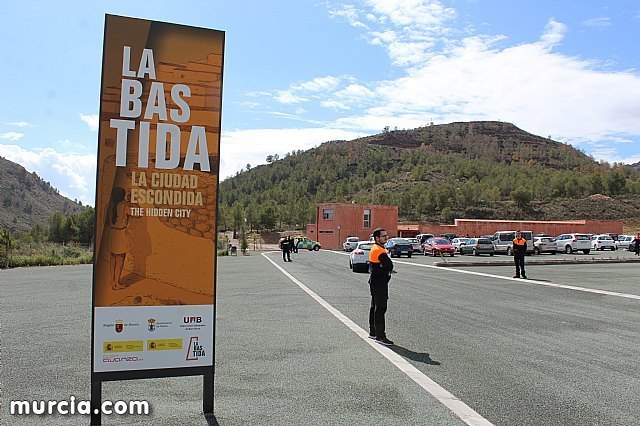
<point x="156" y="195"/>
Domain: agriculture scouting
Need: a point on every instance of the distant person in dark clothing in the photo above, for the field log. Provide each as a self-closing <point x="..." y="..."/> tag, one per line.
<point x="285" y="246"/>
<point x="519" y="251"/>
<point x="636" y="241"/>
<point x="380" y="267"/>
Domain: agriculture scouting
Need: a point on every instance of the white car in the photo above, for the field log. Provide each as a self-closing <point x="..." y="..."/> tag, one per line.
<point x="350" y="243"/>
<point x="573" y="242"/>
<point x="457" y="242"/>
<point x="624" y="241"/>
<point x="359" y="258"/>
<point x="544" y="245"/>
<point x="601" y="242"/>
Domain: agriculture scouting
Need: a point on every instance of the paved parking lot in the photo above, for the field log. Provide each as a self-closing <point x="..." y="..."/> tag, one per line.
<point x="541" y="351"/>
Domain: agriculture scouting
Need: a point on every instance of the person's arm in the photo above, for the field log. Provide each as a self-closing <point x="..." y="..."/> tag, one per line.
<point x="385" y="262"/>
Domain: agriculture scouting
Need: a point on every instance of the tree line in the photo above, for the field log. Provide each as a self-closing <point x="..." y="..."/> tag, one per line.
<point x="428" y="181"/>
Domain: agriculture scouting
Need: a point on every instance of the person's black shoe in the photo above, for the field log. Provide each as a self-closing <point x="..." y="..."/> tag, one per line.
<point x="524" y="277"/>
<point x="384" y="341"/>
<point x="516" y="276"/>
<point x="373" y="336"/>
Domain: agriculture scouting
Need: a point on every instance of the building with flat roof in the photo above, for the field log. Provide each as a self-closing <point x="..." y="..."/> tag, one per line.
<point x="335" y="222"/>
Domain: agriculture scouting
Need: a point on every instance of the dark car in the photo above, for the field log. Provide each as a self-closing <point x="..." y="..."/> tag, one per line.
<point x="399" y="247"/>
<point x="478" y="246"/>
<point x="632" y="245"/>
<point x="437" y="246"/>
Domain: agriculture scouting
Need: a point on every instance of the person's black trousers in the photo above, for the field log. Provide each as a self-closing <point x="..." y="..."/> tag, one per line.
<point x="379" y="295"/>
<point x="519" y="261"/>
<point x="286" y="255"/>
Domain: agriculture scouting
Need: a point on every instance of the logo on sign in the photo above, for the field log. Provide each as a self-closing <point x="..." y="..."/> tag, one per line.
<point x="192" y="320"/>
<point x="195" y="350"/>
<point x="152" y="324"/>
<point x="119" y="326"/>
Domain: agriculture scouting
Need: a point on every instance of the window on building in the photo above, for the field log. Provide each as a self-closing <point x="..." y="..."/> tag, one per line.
<point x="327" y="214"/>
<point x="367" y="218"/>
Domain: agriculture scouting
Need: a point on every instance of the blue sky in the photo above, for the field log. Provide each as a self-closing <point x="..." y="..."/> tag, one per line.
<point x="299" y="73"/>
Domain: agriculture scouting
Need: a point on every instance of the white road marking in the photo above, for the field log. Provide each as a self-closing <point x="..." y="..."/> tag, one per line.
<point x="520" y="281"/>
<point x="459" y="408"/>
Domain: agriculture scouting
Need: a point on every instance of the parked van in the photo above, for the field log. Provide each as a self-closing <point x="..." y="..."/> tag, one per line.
<point x="503" y="241"/>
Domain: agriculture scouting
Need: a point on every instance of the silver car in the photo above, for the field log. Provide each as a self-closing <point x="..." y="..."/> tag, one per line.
<point x="624" y="241"/>
<point x="415" y="243"/>
<point x="359" y="258"/>
<point x="457" y="242"/>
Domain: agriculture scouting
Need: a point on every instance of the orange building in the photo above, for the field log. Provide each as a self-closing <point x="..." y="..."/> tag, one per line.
<point x="335" y="222"/>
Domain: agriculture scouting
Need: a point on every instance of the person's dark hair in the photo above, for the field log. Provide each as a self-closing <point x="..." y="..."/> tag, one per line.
<point x="117" y="195"/>
<point x="377" y="232"/>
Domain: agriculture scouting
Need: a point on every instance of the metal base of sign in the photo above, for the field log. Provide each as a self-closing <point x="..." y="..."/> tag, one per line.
<point x="207" y="387"/>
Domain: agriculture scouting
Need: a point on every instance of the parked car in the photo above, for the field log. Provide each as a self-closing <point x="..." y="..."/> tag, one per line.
<point x="359" y="257"/>
<point x="350" y="243"/>
<point x="457" y="242"/>
<point x="613" y="235"/>
<point x="573" y="242"/>
<point x="306" y="243"/>
<point x="449" y="236"/>
<point x="544" y="245"/>
<point x="424" y="237"/>
<point x="399" y="247"/>
<point x="503" y="241"/>
<point x="478" y="246"/>
<point x="415" y="243"/>
<point x="603" y="241"/>
<point x="632" y="245"/>
<point x="624" y="241"/>
<point x="436" y="246"/>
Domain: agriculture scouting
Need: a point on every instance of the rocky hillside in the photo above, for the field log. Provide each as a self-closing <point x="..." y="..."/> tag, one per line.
<point x="487" y="170"/>
<point x="26" y="199"/>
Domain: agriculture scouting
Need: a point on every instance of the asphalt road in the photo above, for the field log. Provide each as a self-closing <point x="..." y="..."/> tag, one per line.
<point x="515" y="351"/>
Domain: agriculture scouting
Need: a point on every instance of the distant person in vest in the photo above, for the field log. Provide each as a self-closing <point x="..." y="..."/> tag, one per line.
<point x="286" y="249"/>
<point x="636" y="240"/>
<point x="519" y="250"/>
<point x="380" y="267"/>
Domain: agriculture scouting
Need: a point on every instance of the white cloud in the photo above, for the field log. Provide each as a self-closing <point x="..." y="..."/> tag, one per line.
<point x="461" y="79"/>
<point x="20" y="124"/>
<point x="287" y="97"/>
<point x="72" y="174"/>
<point x="241" y="147"/>
<point x="11" y="136"/>
<point x="91" y="120"/>
<point x="427" y="15"/>
<point x="597" y="22"/>
<point x="318" y="84"/>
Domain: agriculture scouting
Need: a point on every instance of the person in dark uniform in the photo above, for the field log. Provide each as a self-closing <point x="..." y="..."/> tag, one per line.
<point x="519" y="251"/>
<point x="636" y="241"/>
<point x="380" y="267"/>
<point x="286" y="249"/>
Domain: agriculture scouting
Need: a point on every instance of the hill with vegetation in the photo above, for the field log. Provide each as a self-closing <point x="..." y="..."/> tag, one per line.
<point x="27" y="200"/>
<point x="484" y="170"/>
